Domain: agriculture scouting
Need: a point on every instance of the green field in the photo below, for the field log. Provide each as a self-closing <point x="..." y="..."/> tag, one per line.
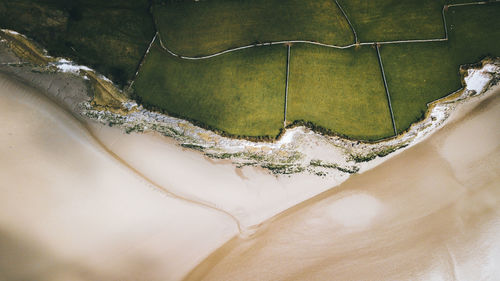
<point x="423" y="72"/>
<point x="416" y="75"/>
<point x="242" y="93"/>
<point x="386" y="20"/>
<point x="341" y="90"/>
<point x="110" y="36"/>
<point x="474" y="32"/>
<point x="193" y="28"/>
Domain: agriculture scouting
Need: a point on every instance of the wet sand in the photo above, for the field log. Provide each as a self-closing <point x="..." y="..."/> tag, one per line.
<point x="430" y="213"/>
<point x="70" y="211"/>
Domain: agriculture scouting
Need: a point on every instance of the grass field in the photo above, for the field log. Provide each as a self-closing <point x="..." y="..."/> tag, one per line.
<point x="386" y="20"/>
<point x="416" y="75"/>
<point x="474" y="32"/>
<point x="110" y="36"/>
<point x="423" y="72"/>
<point x="341" y="90"/>
<point x="241" y="93"/>
<point x="192" y="28"/>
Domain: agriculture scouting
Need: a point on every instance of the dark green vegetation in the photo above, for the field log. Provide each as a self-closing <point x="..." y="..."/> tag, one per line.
<point x="423" y="72"/>
<point x="110" y="36"/>
<point x="192" y="28"/>
<point x="387" y="20"/>
<point x="474" y="32"/>
<point x="341" y="90"/>
<point x="241" y="93"/>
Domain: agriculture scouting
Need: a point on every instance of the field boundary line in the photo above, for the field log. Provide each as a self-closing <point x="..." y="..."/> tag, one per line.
<point x="348" y="21"/>
<point x="143" y="59"/>
<point x="287" y="79"/>
<point x="445" y="7"/>
<point x="386" y="89"/>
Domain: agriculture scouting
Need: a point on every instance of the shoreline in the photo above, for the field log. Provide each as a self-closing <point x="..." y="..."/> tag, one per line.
<point x="31" y="231"/>
<point x="252" y="196"/>
<point x="72" y="211"/>
<point x="329" y="160"/>
<point x="290" y="154"/>
<point x="376" y="220"/>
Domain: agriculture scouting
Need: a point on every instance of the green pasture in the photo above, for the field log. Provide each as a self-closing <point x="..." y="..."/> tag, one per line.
<point x="388" y="20"/>
<point x="419" y="73"/>
<point x="340" y="90"/>
<point x="110" y="36"/>
<point x="194" y="28"/>
<point x="474" y="32"/>
<point x="416" y="75"/>
<point x="240" y="93"/>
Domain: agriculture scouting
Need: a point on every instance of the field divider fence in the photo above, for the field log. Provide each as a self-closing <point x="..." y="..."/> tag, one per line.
<point x="348" y="21"/>
<point x="386" y="88"/>
<point x="287" y="79"/>
<point x="445" y="7"/>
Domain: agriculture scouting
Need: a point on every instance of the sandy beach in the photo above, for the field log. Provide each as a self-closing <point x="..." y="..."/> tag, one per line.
<point x="250" y="194"/>
<point x="70" y="211"/>
<point x="430" y="213"/>
<point x="82" y="201"/>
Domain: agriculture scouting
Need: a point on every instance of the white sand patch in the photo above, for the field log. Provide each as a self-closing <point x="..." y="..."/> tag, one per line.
<point x="64" y="65"/>
<point x="12" y="32"/>
<point x="477" y="79"/>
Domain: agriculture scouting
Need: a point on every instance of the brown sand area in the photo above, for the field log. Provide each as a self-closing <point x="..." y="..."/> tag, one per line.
<point x="430" y="213"/>
<point x="73" y="209"/>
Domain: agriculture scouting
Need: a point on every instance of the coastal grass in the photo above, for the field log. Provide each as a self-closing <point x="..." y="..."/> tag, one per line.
<point x="341" y="91"/>
<point x="240" y="94"/>
<point x="388" y="20"/>
<point x="110" y="36"/>
<point x="420" y="73"/>
<point x="194" y="28"/>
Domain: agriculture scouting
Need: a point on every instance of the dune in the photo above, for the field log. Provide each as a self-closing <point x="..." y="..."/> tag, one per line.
<point x="71" y="211"/>
<point x="432" y="212"/>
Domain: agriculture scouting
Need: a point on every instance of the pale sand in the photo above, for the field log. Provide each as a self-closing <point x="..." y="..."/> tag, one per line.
<point x="70" y="211"/>
<point x="127" y="229"/>
<point x="250" y="194"/>
<point x="430" y="213"/>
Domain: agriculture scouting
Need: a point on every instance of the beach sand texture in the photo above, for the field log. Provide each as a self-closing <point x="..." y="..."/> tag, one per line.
<point x="430" y="213"/>
<point x="70" y="210"/>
